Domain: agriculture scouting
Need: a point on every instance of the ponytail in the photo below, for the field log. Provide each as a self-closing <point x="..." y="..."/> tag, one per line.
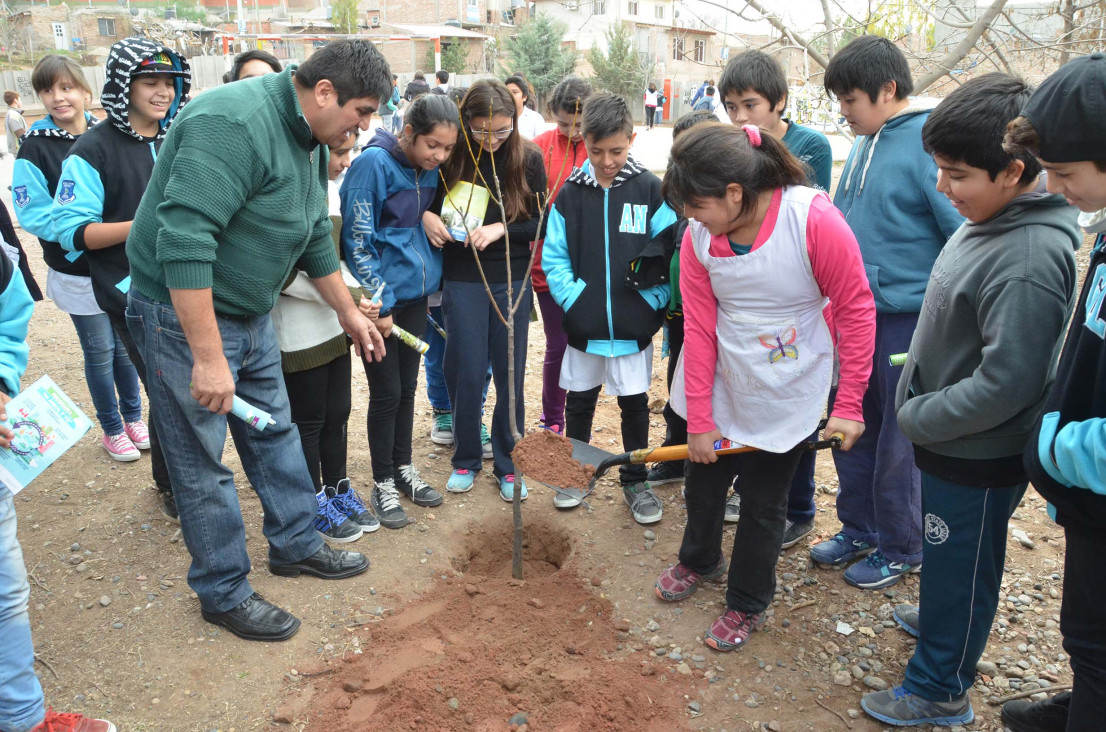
<point x="710" y="156"/>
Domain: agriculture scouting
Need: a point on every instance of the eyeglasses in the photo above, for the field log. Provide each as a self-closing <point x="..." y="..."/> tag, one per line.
<point x="497" y="134"/>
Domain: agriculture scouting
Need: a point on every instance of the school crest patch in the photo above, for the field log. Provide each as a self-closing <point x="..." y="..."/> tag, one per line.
<point x="65" y="192"/>
<point x="937" y="531"/>
<point x="20" y="196"/>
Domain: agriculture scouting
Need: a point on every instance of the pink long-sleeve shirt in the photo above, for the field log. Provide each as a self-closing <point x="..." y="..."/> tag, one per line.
<point x="839" y="272"/>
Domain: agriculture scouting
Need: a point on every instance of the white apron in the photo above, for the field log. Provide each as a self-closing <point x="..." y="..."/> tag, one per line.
<point x="775" y="353"/>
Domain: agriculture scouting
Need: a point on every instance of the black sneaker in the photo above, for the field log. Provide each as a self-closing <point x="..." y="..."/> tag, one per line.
<point x="411" y="485"/>
<point x="331" y="523"/>
<point x="168" y="506"/>
<point x="347" y="500"/>
<point x="794" y="532"/>
<point x="385" y="504"/>
<point x="1050" y="715"/>
<point x="665" y="473"/>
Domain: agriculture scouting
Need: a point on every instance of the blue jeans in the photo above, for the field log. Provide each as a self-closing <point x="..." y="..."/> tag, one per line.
<point x="963" y="558"/>
<point x="211" y="519"/>
<point x="107" y="368"/>
<point x="21" y="702"/>
<point x="436" y="390"/>
<point x="880" y="500"/>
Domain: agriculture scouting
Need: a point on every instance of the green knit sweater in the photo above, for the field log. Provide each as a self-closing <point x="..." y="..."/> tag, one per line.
<point x="237" y="198"/>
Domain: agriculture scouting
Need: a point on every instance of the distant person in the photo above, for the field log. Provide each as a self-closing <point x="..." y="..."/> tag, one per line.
<point x="700" y="92"/>
<point x="442" y="76"/>
<point x="254" y="62"/>
<point x="14" y="124"/>
<point x="388" y="111"/>
<point x="416" y="87"/>
<point x="530" y="123"/>
<point x="662" y="99"/>
<point x="707" y="102"/>
<point x="650" y="105"/>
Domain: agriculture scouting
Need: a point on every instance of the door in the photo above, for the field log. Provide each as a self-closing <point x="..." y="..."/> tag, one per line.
<point x="61" y="37"/>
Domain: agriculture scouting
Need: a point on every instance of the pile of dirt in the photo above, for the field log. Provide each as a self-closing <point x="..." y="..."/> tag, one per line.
<point x="488" y="653"/>
<point x="545" y="456"/>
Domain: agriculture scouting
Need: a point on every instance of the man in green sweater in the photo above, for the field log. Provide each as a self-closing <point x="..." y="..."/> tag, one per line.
<point x="237" y="198"/>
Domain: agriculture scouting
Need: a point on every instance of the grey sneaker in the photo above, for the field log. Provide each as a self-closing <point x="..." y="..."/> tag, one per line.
<point x="441" y="432"/>
<point x="794" y="532"/>
<point x="907" y="618"/>
<point x="899" y="707"/>
<point x="733" y="508"/>
<point x="385" y="504"/>
<point x="414" y="487"/>
<point x="486" y="444"/>
<point x="644" y="504"/>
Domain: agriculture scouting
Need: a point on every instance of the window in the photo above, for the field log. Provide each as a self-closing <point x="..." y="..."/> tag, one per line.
<point x="677" y="49"/>
<point x="599" y="7"/>
<point x="658" y="11"/>
<point x="631" y="7"/>
<point x="106" y="26"/>
<point x="700" y="51"/>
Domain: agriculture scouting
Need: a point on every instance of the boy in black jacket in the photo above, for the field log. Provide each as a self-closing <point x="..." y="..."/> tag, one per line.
<point x="1064" y="124"/>
<point x="613" y="290"/>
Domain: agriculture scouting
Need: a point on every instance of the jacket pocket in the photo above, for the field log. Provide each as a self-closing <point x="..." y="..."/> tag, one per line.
<point x="877" y="292"/>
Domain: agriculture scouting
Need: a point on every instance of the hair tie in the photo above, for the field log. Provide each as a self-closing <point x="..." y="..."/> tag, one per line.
<point x="754" y="134"/>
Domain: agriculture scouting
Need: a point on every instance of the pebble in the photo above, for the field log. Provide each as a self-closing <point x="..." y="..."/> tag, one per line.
<point x="1022" y="538"/>
<point x="117" y="626"/>
<point x="695" y="707"/>
<point x="454" y="702"/>
<point x="853" y="713"/>
<point x="752" y="703"/>
<point x="520" y="719"/>
<point x="75" y="547"/>
<point x="683" y="669"/>
<point x="774" y="726"/>
<point x="105" y="600"/>
<point x="82" y="567"/>
<point x="650" y="536"/>
<point x="875" y="682"/>
<point x="843" y="678"/>
<point x="652" y="626"/>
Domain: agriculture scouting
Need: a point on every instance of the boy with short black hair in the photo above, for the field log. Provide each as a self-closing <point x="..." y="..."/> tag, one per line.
<point x="13" y="121"/>
<point x="1063" y="125"/>
<point x="974" y="383"/>
<point x="888" y="194"/>
<point x="613" y="290"/>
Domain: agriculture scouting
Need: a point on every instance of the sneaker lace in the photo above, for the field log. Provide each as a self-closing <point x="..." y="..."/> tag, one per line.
<point x="740" y="621"/>
<point x="900" y="692"/>
<point x="55" y="722"/>
<point x="411" y="475"/>
<point x="351" y="501"/>
<point x="876" y="559"/>
<point x="444" y="421"/>
<point x="389" y="497"/>
<point x="333" y="513"/>
<point x="645" y="499"/>
<point x="120" y="442"/>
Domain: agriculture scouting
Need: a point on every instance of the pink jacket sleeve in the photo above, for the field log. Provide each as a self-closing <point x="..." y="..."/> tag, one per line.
<point x="839" y="271"/>
<point x="700" y="338"/>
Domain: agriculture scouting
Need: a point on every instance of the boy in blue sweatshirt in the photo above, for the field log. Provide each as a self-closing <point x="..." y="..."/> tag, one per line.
<point x="888" y="194"/>
<point x="102" y="181"/>
<point x="613" y="290"/>
<point x="1064" y="124"/>
<point x="974" y="383"/>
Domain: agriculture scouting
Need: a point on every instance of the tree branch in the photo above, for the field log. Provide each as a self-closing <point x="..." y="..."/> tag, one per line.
<point x="953" y="57"/>
<point x="779" y="25"/>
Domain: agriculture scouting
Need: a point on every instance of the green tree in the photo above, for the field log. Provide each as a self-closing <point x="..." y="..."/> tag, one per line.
<point x="537" y="52"/>
<point x="620" y="69"/>
<point x="455" y="58"/>
<point x="344" y="16"/>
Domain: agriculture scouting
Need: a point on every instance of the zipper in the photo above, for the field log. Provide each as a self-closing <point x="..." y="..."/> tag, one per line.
<point x="418" y="202"/>
<point x="153" y="151"/>
<point x="607" y="256"/>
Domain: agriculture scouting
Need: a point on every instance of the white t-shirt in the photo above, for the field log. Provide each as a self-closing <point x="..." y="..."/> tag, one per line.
<point x="530" y="123"/>
<point x="650" y="98"/>
<point x="13" y="123"/>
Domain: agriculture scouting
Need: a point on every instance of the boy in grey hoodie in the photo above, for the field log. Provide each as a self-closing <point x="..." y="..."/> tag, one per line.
<point x="975" y="380"/>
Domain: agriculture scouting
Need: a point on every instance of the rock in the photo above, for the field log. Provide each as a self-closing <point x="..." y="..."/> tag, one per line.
<point x="472" y="590"/>
<point x="752" y="703"/>
<point x="986" y="667"/>
<point x="843" y="678"/>
<point x="875" y="682"/>
<point x="117" y="626"/>
<point x="284" y="715"/>
<point x="1022" y="538"/>
<point x="623" y="625"/>
<point x="683" y="669"/>
<point x="352" y="687"/>
<point x="454" y="702"/>
<point x="853" y="713"/>
<point x="652" y="626"/>
<point x="520" y="719"/>
<point x="105" y="600"/>
<point x="650" y="536"/>
<point x="774" y="726"/>
<point x="82" y="567"/>
<point x="535" y="603"/>
<point x="695" y="707"/>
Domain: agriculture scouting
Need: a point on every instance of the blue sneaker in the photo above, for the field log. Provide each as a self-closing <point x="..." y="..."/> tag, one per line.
<point x="331" y="523"/>
<point x="507" y="488"/>
<point x="899" y="707"/>
<point x="876" y="572"/>
<point x="907" y="617"/>
<point x="345" y="497"/>
<point x="460" y="481"/>
<point x="839" y="550"/>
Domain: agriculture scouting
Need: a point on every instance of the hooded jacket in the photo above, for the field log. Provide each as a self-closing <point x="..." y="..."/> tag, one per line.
<point x="888" y="193"/>
<point x="613" y="289"/>
<point x="561" y="155"/>
<point x="108" y="168"/>
<point x="34" y="182"/>
<point x="984" y="352"/>
<point x="383" y="241"/>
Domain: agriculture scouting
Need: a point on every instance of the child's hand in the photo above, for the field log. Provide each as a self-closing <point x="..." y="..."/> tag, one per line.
<point x="368" y="308"/>
<point x="485" y="235"/>
<point x="6" y="434"/>
<point x="436" y="231"/>
<point x="700" y="446"/>
<point x="384" y="325"/>
<point x="849" y="430"/>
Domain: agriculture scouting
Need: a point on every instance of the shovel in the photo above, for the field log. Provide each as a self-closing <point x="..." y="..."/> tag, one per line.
<point x="603" y="461"/>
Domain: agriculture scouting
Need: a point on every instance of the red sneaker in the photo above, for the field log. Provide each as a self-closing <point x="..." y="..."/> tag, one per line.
<point x="55" y="722"/>
<point x="732" y="629"/>
<point x="679" y="581"/>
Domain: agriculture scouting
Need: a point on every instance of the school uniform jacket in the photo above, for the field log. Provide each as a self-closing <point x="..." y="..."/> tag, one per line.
<point x="107" y="170"/>
<point x="606" y="256"/>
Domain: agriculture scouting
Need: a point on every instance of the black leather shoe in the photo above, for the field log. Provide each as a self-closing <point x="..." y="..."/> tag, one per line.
<point x="168" y="506"/>
<point x="256" y="619"/>
<point x="326" y="563"/>
<point x="1050" y="715"/>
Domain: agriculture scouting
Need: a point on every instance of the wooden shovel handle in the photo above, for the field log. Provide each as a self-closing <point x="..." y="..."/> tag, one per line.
<point x="679" y="452"/>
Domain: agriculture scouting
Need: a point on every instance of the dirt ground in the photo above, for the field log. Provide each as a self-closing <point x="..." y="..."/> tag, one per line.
<point x="436" y="636"/>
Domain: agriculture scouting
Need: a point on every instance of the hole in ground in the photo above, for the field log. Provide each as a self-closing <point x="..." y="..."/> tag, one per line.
<point x="487" y="550"/>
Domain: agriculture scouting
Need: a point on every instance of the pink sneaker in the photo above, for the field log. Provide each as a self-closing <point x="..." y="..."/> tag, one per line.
<point x="679" y="581"/>
<point x="138" y="433"/>
<point x="732" y="629"/>
<point x="121" y="448"/>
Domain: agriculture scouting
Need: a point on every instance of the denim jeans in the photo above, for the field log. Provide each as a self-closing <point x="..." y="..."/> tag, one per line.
<point x="107" y="368"/>
<point x="21" y="703"/>
<point x="211" y="519"/>
<point x="436" y="390"/>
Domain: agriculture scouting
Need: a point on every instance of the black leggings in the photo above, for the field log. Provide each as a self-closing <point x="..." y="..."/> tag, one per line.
<point x="320" y="403"/>
<point x="392" y="384"/>
<point x="580" y="409"/>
